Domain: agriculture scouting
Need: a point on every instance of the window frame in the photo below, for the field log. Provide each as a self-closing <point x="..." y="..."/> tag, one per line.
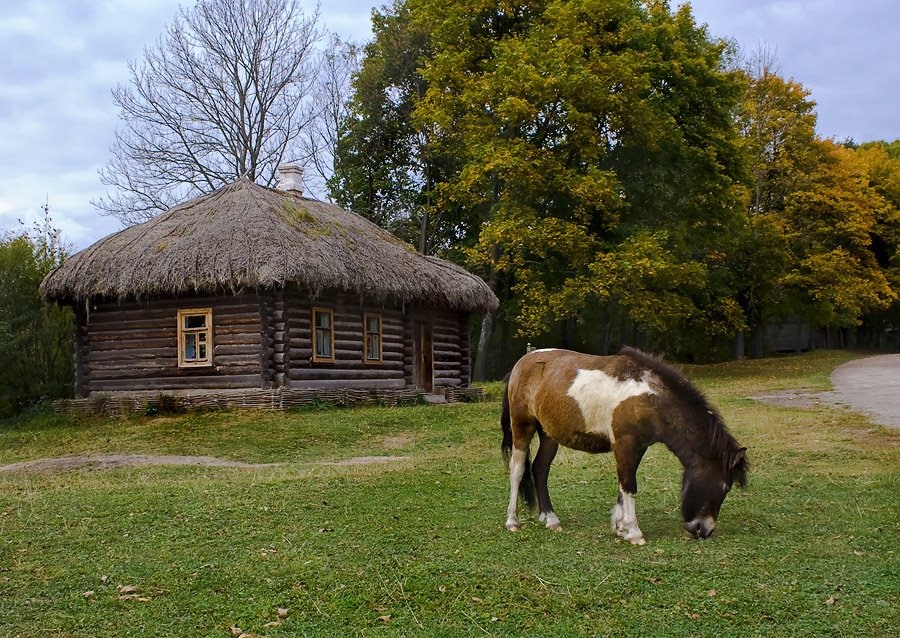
<point x="316" y="357"/>
<point x="207" y="313"/>
<point x="367" y="333"/>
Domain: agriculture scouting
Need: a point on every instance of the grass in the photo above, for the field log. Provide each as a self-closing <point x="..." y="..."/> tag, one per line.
<point x="417" y="547"/>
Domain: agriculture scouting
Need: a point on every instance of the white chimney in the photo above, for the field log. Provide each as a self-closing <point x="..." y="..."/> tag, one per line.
<point x="290" y="178"/>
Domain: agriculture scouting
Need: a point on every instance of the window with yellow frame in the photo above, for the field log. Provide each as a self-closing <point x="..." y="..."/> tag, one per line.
<point x="373" y="339"/>
<point x="195" y="344"/>
<point x="323" y="335"/>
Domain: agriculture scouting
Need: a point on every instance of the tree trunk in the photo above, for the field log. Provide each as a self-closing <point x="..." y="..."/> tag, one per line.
<point x="487" y="330"/>
<point x="737" y="346"/>
<point x="479" y="373"/>
<point x="757" y="349"/>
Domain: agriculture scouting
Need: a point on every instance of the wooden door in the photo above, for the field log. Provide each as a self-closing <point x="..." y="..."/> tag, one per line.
<point x="424" y="356"/>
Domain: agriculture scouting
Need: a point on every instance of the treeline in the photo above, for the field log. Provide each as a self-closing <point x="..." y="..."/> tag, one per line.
<point x="35" y="337"/>
<point x="618" y="176"/>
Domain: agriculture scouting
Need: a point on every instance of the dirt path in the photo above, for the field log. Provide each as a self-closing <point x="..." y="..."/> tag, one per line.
<point x="870" y="386"/>
<point x="110" y="461"/>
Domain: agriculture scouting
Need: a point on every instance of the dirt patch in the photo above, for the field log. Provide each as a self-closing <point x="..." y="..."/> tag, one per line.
<point x="400" y="441"/>
<point x="367" y="460"/>
<point x="111" y="461"/>
<point x="801" y="399"/>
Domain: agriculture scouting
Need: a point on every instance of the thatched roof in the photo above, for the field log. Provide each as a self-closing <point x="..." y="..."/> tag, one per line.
<point x="247" y="236"/>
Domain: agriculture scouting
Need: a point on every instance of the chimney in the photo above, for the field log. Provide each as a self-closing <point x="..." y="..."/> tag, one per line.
<point x="290" y="178"/>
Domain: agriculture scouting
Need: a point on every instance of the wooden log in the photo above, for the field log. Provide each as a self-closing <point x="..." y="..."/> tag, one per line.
<point x="235" y="381"/>
<point x="342" y="383"/>
<point x="345" y="375"/>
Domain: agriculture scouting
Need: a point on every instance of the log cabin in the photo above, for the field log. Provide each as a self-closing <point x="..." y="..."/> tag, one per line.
<point x="250" y="287"/>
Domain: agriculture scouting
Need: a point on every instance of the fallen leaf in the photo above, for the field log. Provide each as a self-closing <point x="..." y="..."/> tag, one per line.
<point x="654" y="580"/>
<point x="282" y="612"/>
<point x="830" y="601"/>
<point x="693" y="616"/>
<point x="442" y="589"/>
<point x="494" y="619"/>
<point x="385" y="618"/>
<point x="127" y="589"/>
<point x="104" y="578"/>
<point x="711" y="593"/>
<point x="88" y="593"/>
<point x="235" y="630"/>
<point x="476" y="599"/>
<point x="274" y="623"/>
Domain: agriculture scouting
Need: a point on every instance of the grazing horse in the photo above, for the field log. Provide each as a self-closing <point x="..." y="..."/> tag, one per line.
<point x="623" y="404"/>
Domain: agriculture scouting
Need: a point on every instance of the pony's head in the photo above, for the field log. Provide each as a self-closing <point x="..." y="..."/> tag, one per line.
<point x="704" y="487"/>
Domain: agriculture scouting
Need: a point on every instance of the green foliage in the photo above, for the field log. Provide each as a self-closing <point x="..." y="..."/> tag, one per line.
<point x="608" y="160"/>
<point x="837" y="274"/>
<point x="35" y="337"/>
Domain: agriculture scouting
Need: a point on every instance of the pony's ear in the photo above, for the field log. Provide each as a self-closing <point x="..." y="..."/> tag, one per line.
<point x="738" y="467"/>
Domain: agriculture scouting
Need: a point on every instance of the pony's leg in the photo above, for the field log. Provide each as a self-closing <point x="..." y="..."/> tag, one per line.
<point x="624" y="519"/>
<point x="541" y="470"/>
<point x="516" y="472"/>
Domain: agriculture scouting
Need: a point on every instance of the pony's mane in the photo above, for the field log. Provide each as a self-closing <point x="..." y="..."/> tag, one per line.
<point x="721" y="442"/>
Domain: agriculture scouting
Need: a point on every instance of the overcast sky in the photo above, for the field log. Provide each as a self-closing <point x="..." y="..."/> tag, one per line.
<point x="60" y="59"/>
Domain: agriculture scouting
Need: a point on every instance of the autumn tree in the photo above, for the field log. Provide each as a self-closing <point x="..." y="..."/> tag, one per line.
<point x="837" y="275"/>
<point x="577" y="125"/>
<point x="777" y="124"/>
<point x="223" y="94"/>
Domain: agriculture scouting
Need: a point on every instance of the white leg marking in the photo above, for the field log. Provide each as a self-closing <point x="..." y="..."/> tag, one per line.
<point x="624" y="519"/>
<point x="516" y="472"/>
<point x="551" y="521"/>
<point x="618" y="518"/>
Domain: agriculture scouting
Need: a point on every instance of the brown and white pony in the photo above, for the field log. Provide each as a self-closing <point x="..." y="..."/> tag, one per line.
<point x="624" y="404"/>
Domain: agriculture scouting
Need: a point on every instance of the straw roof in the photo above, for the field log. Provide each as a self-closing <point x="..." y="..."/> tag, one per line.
<point x="247" y="236"/>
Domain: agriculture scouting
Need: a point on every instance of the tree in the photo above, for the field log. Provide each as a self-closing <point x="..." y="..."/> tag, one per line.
<point x="222" y="95"/>
<point x="338" y="62"/>
<point x="578" y="125"/>
<point x="35" y="337"/>
<point x="385" y="168"/>
<point x="777" y="124"/>
<point x="837" y="276"/>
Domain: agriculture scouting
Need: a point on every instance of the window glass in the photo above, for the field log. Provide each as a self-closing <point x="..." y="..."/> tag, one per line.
<point x="373" y="338"/>
<point x="324" y="334"/>
<point x="194" y="321"/>
<point x="190" y="347"/>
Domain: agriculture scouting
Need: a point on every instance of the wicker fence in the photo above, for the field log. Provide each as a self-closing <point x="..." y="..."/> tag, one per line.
<point x="125" y="404"/>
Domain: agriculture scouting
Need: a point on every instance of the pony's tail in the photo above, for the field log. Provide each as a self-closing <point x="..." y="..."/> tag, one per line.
<point x="527" y="491"/>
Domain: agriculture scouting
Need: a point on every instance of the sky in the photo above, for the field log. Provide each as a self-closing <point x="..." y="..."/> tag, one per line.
<point x="61" y="59"/>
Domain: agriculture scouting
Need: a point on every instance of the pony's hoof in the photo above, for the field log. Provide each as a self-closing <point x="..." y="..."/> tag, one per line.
<point x="556" y="527"/>
<point x="513" y="527"/>
<point x="637" y="541"/>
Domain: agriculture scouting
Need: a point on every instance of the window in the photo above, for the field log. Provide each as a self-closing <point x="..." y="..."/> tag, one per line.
<point x="195" y="337"/>
<point x="373" y="338"/>
<point x="323" y="335"/>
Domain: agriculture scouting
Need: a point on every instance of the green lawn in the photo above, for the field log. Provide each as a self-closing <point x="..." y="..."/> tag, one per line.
<point x="417" y="547"/>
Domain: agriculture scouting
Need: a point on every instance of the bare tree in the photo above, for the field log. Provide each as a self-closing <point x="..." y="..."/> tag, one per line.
<point x="337" y="64"/>
<point x="225" y="93"/>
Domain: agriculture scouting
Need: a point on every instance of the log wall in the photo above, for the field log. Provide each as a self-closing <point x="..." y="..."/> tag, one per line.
<point x="451" y="348"/>
<point x="349" y="370"/>
<point x="262" y="341"/>
<point x="134" y="345"/>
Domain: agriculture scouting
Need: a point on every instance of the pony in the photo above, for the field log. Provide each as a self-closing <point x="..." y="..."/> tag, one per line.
<point x="622" y="403"/>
